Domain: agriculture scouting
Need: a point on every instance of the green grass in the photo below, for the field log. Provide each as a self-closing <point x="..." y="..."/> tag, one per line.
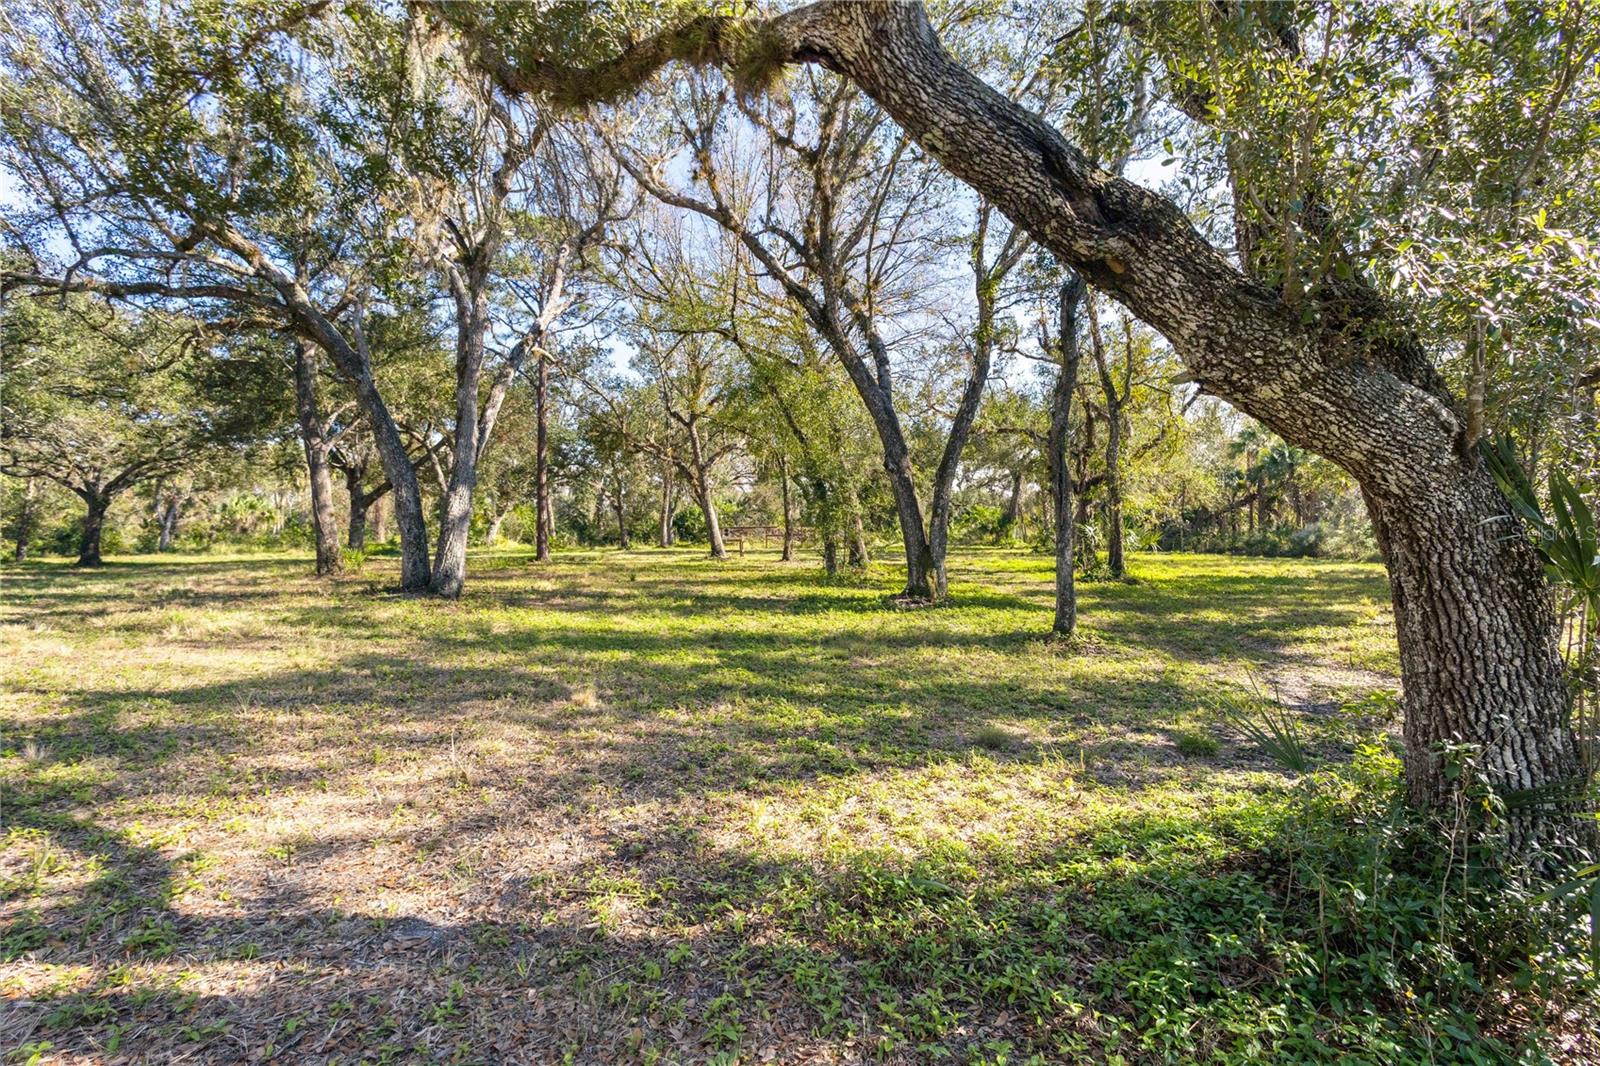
<point x="644" y="807"/>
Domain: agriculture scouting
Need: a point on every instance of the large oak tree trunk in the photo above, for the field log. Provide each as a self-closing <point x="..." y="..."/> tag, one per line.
<point x="313" y="436"/>
<point x="1475" y="622"/>
<point x="94" y="521"/>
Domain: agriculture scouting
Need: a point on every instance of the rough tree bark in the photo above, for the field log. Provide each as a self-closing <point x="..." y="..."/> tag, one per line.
<point x="314" y="440"/>
<point x="1058" y="451"/>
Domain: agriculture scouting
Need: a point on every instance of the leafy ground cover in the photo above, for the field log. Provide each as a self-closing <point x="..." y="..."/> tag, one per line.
<point x="642" y="807"/>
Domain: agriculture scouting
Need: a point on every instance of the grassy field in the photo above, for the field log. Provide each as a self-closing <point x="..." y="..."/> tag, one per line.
<point x="641" y="807"/>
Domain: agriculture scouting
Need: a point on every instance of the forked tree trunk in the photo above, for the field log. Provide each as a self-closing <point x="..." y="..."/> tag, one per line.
<point x="1065" y="622"/>
<point x="313" y="438"/>
<point x="94" y="521"/>
<point x="492" y="534"/>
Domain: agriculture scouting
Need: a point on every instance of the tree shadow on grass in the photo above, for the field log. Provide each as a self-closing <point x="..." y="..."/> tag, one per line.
<point x="1156" y="933"/>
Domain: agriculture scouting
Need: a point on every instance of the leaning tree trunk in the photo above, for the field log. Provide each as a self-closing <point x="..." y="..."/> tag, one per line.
<point x="708" y="508"/>
<point x="1059" y="454"/>
<point x="94" y="521"/>
<point x="313" y="437"/>
<point x="920" y="562"/>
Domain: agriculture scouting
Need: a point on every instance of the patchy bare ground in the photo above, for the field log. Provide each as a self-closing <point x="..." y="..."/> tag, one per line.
<point x="627" y="807"/>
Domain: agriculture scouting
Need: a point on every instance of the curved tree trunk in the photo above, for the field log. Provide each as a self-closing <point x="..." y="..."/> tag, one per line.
<point x="413" y="527"/>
